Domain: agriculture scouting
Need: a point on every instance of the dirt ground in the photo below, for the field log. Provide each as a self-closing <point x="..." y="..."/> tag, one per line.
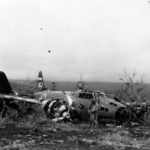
<point x="58" y="136"/>
<point x="45" y="136"/>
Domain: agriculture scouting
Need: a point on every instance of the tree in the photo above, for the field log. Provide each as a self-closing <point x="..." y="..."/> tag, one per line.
<point x="130" y="87"/>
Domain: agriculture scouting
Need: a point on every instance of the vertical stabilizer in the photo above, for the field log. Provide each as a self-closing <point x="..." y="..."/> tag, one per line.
<point x="5" y="87"/>
<point x="41" y="84"/>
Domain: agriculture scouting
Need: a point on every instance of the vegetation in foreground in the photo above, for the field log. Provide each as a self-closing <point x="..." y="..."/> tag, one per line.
<point x="37" y="132"/>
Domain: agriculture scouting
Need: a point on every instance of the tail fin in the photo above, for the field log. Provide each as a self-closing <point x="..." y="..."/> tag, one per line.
<point x="41" y="84"/>
<point x="5" y="87"/>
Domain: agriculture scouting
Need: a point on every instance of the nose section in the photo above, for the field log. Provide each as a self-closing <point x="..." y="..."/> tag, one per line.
<point x="122" y="115"/>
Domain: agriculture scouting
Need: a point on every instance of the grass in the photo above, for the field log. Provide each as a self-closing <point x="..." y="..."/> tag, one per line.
<point x="121" y="139"/>
<point x="15" y="146"/>
<point x="116" y="138"/>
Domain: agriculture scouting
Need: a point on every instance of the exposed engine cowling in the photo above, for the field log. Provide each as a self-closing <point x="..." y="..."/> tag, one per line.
<point x="55" y="109"/>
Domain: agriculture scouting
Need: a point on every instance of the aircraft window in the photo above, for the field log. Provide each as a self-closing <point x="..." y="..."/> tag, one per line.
<point x="104" y="109"/>
<point x="81" y="95"/>
<point x="86" y="95"/>
<point x="111" y="103"/>
<point x="102" y="95"/>
<point x="90" y="96"/>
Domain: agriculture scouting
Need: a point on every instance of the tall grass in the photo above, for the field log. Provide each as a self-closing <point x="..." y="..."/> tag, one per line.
<point x="122" y="140"/>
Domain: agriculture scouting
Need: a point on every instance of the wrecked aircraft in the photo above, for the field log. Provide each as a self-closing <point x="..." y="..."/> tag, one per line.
<point x="109" y="109"/>
<point x="70" y="105"/>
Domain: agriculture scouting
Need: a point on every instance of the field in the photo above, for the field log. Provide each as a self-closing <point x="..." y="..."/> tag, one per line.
<point x="36" y="132"/>
<point x="45" y="135"/>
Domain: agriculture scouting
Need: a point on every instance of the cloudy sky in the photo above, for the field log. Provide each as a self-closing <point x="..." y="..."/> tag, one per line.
<point x="66" y="39"/>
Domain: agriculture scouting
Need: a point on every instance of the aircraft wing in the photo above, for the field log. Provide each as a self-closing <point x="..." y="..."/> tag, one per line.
<point x="17" y="98"/>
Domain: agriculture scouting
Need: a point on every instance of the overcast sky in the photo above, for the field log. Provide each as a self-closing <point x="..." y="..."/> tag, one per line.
<point x="96" y="39"/>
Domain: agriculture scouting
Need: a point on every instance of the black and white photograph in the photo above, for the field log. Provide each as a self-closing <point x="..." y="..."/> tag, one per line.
<point x="74" y="75"/>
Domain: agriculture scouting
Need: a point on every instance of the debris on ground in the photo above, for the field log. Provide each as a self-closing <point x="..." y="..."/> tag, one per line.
<point x="61" y="136"/>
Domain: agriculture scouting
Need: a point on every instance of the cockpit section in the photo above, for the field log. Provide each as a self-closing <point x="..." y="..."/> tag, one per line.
<point x="86" y="95"/>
